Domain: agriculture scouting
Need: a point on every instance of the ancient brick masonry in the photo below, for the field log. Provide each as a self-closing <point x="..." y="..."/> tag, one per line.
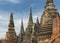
<point x="56" y="27"/>
<point x="55" y="38"/>
<point x="46" y="19"/>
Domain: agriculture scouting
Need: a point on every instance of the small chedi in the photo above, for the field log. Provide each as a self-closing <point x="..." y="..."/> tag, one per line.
<point x="45" y="31"/>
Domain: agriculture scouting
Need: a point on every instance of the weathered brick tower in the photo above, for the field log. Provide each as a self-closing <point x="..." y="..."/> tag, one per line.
<point x="21" y="34"/>
<point x="30" y="24"/>
<point x="28" y="31"/>
<point x="11" y="34"/>
<point x="49" y="13"/>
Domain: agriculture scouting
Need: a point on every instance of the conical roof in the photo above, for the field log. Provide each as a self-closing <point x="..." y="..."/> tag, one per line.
<point x="30" y="17"/>
<point x="11" y="22"/>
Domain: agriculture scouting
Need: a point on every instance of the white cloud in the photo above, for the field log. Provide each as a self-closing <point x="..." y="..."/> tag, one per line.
<point x="34" y="17"/>
<point x="2" y="17"/>
<point x="11" y="1"/>
<point x="3" y="26"/>
<point x="14" y="1"/>
<point x="3" y="32"/>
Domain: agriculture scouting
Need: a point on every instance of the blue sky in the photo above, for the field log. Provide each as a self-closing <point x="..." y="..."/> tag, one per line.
<point x="20" y="8"/>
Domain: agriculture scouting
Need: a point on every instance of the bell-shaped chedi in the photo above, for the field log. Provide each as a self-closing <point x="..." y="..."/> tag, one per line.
<point x="49" y="13"/>
<point x="10" y="34"/>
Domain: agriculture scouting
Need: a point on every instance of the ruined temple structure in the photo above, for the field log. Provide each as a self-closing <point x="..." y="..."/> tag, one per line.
<point x="45" y="31"/>
<point x="11" y="36"/>
<point x="49" y="13"/>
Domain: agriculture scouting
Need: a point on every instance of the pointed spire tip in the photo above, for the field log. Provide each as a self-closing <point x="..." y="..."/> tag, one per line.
<point x="11" y="22"/>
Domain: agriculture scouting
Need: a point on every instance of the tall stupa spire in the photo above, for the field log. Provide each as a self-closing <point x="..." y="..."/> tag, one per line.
<point x="11" y="24"/>
<point x="21" y="34"/>
<point x="22" y="27"/>
<point x="37" y="21"/>
<point x="30" y="17"/>
<point x="11" y="34"/>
